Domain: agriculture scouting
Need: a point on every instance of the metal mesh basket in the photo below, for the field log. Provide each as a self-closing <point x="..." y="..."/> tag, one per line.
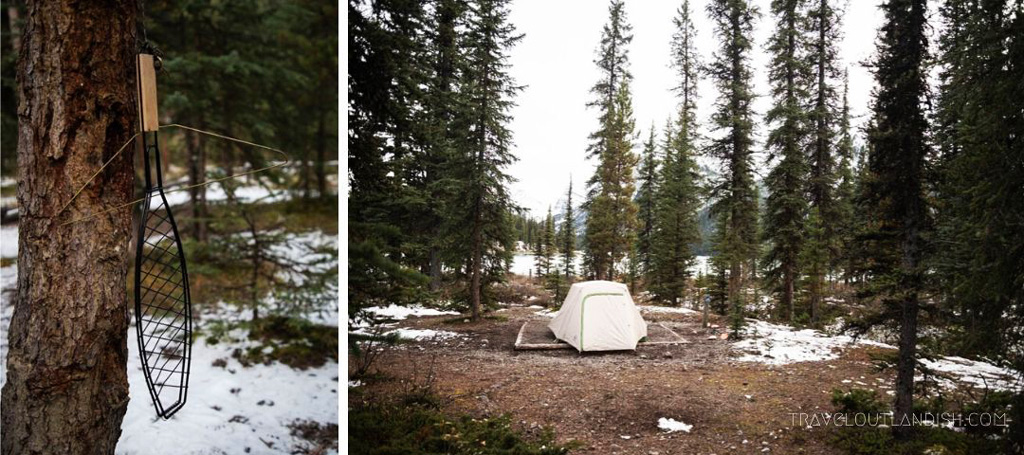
<point x="163" y="313"/>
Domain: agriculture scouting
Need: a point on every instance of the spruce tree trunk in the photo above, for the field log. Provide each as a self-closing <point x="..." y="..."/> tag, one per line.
<point x="67" y="385"/>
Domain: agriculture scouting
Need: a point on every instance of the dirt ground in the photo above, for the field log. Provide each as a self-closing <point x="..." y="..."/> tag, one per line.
<point x="611" y="402"/>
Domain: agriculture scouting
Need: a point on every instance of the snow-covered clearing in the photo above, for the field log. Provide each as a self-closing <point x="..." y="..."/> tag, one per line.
<point x="775" y="344"/>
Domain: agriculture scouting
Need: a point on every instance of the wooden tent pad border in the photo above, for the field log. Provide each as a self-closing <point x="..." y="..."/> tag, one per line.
<point x="521" y="346"/>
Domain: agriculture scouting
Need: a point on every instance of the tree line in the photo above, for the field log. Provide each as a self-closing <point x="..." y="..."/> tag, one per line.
<point x="429" y="99"/>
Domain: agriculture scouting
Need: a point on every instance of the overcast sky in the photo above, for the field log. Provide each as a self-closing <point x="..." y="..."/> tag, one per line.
<point x="555" y="61"/>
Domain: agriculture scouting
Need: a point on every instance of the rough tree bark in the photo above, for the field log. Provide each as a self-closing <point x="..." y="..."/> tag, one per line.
<point x="67" y="385"/>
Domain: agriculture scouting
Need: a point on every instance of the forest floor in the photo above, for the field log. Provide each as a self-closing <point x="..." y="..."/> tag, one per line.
<point x="739" y="397"/>
<point x="242" y="397"/>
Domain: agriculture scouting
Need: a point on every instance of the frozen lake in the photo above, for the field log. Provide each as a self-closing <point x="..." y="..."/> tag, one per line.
<point x="522" y="264"/>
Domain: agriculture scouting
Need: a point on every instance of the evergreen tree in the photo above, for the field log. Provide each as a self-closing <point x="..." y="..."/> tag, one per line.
<point x="377" y="108"/>
<point x="613" y="62"/>
<point x="540" y="261"/>
<point x="825" y="28"/>
<point x="979" y="229"/>
<point x="845" y="212"/>
<point x="645" y="199"/>
<point x="548" y="249"/>
<point x="611" y="224"/>
<point x="735" y="203"/>
<point x="567" y="240"/>
<point x="446" y="129"/>
<point x="678" y="199"/>
<point x="482" y="204"/>
<point x="895" y="189"/>
<point x="814" y="257"/>
<point x="787" y="203"/>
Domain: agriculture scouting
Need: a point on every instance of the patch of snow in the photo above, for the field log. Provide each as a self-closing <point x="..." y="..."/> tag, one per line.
<point x="399" y="313"/>
<point x="775" y="344"/>
<point x="215" y="192"/>
<point x="354" y="384"/>
<point x="673" y="425"/>
<point x="548" y="313"/>
<point x="977" y="373"/>
<point x="425" y="334"/>
<point x="229" y="409"/>
<point x="9" y="241"/>
<point x="410" y="334"/>
<point x="665" y="309"/>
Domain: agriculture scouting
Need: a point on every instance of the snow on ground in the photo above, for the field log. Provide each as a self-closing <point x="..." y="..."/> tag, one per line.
<point x="979" y="374"/>
<point x="775" y="344"/>
<point x="216" y="192"/>
<point x="8" y="282"/>
<point x="673" y="425"/>
<point x="9" y="241"/>
<point x="665" y="309"/>
<point x="399" y="313"/>
<point x="547" y="312"/>
<point x="228" y="409"/>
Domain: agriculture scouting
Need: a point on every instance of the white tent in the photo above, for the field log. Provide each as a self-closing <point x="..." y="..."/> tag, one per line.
<point x="599" y="316"/>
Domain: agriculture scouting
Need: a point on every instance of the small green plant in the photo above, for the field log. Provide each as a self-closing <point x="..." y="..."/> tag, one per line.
<point x="420" y="428"/>
<point x="857" y="401"/>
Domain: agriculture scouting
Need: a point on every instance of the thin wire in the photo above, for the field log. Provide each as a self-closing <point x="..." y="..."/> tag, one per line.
<point x="189" y="187"/>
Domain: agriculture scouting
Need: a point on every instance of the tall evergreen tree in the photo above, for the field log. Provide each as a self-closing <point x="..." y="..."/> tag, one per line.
<point x="613" y="62"/>
<point x="846" y="191"/>
<point x="895" y="189"/>
<point x="645" y="199"/>
<point x="483" y="205"/>
<point x="825" y="29"/>
<point x="787" y="204"/>
<point x="980" y="231"/>
<point x="446" y="128"/>
<point x="611" y="224"/>
<point x="735" y="201"/>
<point x="679" y="197"/>
<point x="377" y="109"/>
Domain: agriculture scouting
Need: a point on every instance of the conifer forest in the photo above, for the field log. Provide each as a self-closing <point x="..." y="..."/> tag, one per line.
<point x="816" y="206"/>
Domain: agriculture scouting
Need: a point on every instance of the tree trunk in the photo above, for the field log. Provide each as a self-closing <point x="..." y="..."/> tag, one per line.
<point x="197" y="175"/>
<point x="67" y="384"/>
<point x="474" y="286"/>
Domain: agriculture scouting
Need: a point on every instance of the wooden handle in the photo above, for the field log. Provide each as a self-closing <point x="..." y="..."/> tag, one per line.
<point x="147" y="94"/>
